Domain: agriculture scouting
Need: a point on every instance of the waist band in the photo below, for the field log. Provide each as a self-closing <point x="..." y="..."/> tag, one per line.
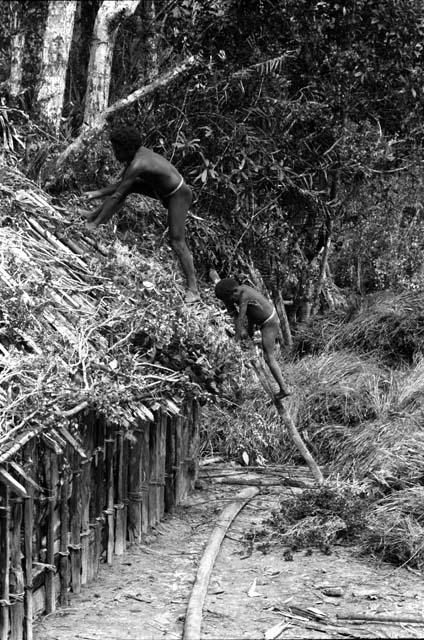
<point x="273" y="314"/>
<point x="180" y="184"/>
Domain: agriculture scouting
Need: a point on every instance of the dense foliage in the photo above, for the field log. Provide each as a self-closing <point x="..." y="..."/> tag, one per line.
<point x="302" y="121"/>
<point x="305" y="110"/>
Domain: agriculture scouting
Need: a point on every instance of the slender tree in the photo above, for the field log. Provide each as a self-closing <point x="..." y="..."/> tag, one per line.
<point x="17" y="41"/>
<point x="150" y="57"/>
<point x="55" y="53"/>
<point x="109" y="16"/>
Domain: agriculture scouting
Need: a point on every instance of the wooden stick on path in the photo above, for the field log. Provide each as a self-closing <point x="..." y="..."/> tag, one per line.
<point x="193" y="620"/>
<point x="367" y="617"/>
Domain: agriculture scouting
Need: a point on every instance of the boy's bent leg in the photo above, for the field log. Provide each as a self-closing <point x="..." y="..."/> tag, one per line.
<point x="178" y="206"/>
<point x="269" y="334"/>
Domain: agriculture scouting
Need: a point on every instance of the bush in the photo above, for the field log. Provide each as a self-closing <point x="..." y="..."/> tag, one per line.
<point x="319" y="517"/>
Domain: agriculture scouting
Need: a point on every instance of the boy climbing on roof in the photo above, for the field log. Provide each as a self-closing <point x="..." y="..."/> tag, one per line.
<point x="149" y="174"/>
<point x="244" y="302"/>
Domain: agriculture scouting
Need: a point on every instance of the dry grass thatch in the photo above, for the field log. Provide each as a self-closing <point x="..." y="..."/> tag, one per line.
<point x="395" y="527"/>
<point x="388" y="449"/>
<point x="71" y="316"/>
<point x="391" y="326"/>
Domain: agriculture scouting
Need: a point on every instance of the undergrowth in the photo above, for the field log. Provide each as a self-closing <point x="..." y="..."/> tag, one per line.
<point x="316" y="518"/>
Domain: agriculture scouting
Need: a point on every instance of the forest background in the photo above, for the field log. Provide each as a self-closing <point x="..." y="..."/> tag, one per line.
<point x="299" y="126"/>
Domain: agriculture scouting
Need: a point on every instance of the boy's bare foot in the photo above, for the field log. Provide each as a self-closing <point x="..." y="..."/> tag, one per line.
<point x="191" y="297"/>
<point x="282" y="394"/>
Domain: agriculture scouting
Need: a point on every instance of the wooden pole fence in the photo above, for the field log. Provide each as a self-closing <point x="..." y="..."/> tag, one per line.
<point x="67" y="500"/>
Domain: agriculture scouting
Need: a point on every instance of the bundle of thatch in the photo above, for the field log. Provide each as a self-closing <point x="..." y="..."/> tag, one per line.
<point x="390" y="325"/>
<point x="395" y="527"/>
<point x="334" y="392"/>
<point x="389" y="448"/>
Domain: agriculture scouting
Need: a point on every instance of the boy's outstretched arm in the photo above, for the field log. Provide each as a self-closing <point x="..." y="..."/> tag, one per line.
<point x="101" y="193"/>
<point x="105" y="191"/>
<point x="115" y="201"/>
<point x="240" y="320"/>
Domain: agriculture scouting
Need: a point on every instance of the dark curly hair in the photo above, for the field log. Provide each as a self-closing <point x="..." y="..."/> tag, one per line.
<point x="225" y="287"/>
<point x="127" y="138"/>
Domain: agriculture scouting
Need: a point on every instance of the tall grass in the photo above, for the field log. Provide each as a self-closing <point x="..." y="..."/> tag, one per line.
<point x="358" y="401"/>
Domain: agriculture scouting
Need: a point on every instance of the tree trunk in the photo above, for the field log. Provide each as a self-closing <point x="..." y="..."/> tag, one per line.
<point x="150" y="58"/>
<point x="99" y="74"/>
<point x="17" y="42"/>
<point x="322" y="272"/>
<point x="284" y="322"/>
<point x="307" y="295"/>
<point x="57" y="42"/>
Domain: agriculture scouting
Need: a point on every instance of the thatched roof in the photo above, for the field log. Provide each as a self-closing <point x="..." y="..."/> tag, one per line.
<point x="69" y="315"/>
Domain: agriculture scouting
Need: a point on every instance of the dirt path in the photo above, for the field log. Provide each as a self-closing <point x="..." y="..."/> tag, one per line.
<point x="144" y="595"/>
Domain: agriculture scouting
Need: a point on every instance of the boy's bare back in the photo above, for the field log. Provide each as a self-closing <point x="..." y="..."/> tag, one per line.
<point x="155" y="170"/>
<point x="258" y="307"/>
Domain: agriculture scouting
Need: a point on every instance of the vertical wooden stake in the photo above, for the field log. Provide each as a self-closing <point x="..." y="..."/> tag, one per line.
<point x="28" y="530"/>
<point x="184" y="456"/>
<point x="63" y="549"/>
<point x="134" y="488"/>
<point x="98" y="500"/>
<point x="188" y="471"/>
<point x="195" y="442"/>
<point x="162" y="462"/>
<point x="16" y="574"/>
<point x="87" y="472"/>
<point x="76" y="520"/>
<point x="178" y="459"/>
<point x="170" y="461"/>
<point x="49" y="576"/>
<point x="145" y="471"/>
<point x="96" y="548"/>
<point x="4" y="561"/>
<point x="110" y="497"/>
<point x="120" y="507"/>
<point x="125" y="458"/>
<point x="153" y="443"/>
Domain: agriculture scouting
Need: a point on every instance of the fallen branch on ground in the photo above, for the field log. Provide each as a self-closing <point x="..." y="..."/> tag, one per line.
<point x="193" y="620"/>
<point x="266" y="482"/>
<point x="366" y="617"/>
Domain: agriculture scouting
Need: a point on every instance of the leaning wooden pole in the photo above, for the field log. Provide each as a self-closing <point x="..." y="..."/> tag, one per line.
<point x="193" y="620"/>
<point x="288" y="422"/>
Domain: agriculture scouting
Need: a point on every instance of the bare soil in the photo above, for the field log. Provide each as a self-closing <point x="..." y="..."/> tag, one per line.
<point x="144" y="594"/>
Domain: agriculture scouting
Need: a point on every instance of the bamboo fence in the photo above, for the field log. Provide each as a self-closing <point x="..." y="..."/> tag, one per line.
<point x="76" y="484"/>
<point x="62" y="513"/>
